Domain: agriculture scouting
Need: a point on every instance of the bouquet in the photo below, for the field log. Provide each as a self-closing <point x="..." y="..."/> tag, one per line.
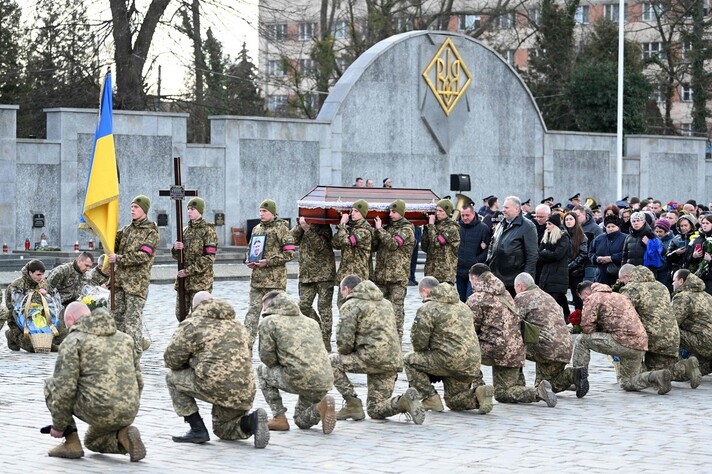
<point x="575" y="321"/>
<point x="37" y="315"/>
<point x="95" y="297"/>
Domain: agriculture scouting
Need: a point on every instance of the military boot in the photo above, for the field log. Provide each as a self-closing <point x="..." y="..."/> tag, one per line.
<point x="433" y="403"/>
<point x="278" y="423"/>
<point x="327" y="411"/>
<point x="197" y="433"/>
<point x="544" y="392"/>
<point x="256" y="424"/>
<point x="581" y="381"/>
<point x="353" y="409"/>
<point x="661" y="379"/>
<point x="70" y="449"/>
<point x="409" y="403"/>
<point x="130" y="441"/>
<point x="484" y="394"/>
<point x="692" y="371"/>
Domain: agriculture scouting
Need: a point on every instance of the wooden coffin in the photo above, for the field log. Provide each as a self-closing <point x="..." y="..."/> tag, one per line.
<point x="326" y="204"/>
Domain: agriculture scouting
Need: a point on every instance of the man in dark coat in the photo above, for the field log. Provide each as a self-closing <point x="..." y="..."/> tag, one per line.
<point x="474" y="238"/>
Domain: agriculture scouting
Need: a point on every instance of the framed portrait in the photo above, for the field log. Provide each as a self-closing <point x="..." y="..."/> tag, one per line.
<point x="257" y="248"/>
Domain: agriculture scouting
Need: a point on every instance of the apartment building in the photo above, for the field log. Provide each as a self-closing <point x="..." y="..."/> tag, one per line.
<point x="288" y="28"/>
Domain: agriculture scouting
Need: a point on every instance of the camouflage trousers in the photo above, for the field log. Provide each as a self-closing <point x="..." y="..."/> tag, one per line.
<point x="395" y="293"/>
<point x="252" y="318"/>
<point x="272" y="380"/>
<point x="188" y="298"/>
<point x="127" y="316"/>
<point x="655" y="361"/>
<point x="307" y="293"/>
<point x="379" y="404"/>
<point x="184" y="390"/>
<point x="556" y="373"/>
<point x="509" y="384"/>
<point x="630" y="377"/>
<point x="696" y="343"/>
<point x="103" y="426"/>
<point x="459" y="394"/>
<point x="16" y="339"/>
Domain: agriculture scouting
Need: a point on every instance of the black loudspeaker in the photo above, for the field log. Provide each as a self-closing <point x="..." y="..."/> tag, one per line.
<point x="459" y="182"/>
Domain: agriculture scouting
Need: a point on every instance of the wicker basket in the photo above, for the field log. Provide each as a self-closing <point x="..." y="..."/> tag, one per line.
<point x="42" y="342"/>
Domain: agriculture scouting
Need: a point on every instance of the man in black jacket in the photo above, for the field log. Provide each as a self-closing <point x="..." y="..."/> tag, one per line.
<point x="474" y="238"/>
<point x="514" y="248"/>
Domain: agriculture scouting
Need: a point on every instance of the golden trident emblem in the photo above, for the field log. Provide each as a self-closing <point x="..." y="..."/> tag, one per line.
<point x="451" y="76"/>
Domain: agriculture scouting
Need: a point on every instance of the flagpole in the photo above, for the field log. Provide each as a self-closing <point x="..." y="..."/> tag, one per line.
<point x="619" y="128"/>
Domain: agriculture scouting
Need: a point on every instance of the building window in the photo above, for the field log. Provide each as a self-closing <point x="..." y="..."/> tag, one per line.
<point x="307" y="31"/>
<point x="610" y="12"/>
<point x="686" y="93"/>
<point x="504" y="21"/>
<point x="341" y="28"/>
<point x="534" y="14"/>
<point x="277" y="103"/>
<point x="469" y="22"/>
<point x="275" y="68"/>
<point x="653" y="50"/>
<point x="277" y="32"/>
<point x="582" y="15"/>
<point x="509" y="56"/>
<point x="686" y="129"/>
<point x="650" y="9"/>
<point x="307" y="66"/>
<point x="657" y="95"/>
<point x="534" y="53"/>
<point x="686" y="49"/>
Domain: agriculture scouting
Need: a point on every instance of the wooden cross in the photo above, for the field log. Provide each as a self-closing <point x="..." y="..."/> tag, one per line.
<point x="177" y="192"/>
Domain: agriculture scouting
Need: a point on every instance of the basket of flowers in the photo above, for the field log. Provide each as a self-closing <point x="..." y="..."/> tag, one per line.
<point x="38" y="315"/>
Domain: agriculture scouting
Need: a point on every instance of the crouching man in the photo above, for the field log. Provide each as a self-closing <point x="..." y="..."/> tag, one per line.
<point x="97" y="378"/>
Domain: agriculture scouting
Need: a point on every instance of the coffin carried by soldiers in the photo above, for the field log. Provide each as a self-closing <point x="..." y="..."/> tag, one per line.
<point x="326" y="204"/>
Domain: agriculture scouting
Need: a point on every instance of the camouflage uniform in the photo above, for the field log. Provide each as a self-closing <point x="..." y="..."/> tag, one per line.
<point x="68" y="280"/>
<point x="135" y="246"/>
<point x="611" y="326"/>
<point x="294" y="360"/>
<point x="278" y="250"/>
<point x="14" y="333"/>
<point x="651" y="300"/>
<point x="354" y="239"/>
<point x="444" y="345"/>
<point x="200" y="247"/>
<point x="209" y="359"/>
<point x="692" y="308"/>
<point x="368" y="343"/>
<point x="317" y="275"/>
<point x="97" y="378"/>
<point x="394" y="245"/>
<point x="441" y="242"/>
<point x="554" y="349"/>
<point x="498" y="327"/>
<point x="96" y="277"/>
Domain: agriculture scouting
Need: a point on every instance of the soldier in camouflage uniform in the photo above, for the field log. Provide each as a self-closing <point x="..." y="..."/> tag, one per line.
<point x="368" y="343"/>
<point x="651" y="300"/>
<point x="553" y="351"/>
<point x="135" y="246"/>
<point x="31" y="279"/>
<point x="394" y="245"/>
<point x="69" y="278"/>
<point x="317" y="273"/>
<point x="354" y="237"/>
<point x="497" y="325"/>
<point x="97" y="378"/>
<point x="692" y="308"/>
<point x="294" y="360"/>
<point x="441" y="241"/>
<point x="611" y="326"/>
<point x="200" y="245"/>
<point x="270" y="273"/>
<point x="209" y="359"/>
<point x="445" y="347"/>
<point x="96" y="276"/>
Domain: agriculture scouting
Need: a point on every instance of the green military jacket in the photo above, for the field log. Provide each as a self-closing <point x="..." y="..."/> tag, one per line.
<point x="441" y="242"/>
<point x="68" y="280"/>
<point x="200" y="245"/>
<point x="278" y="250"/>
<point x="394" y="245"/>
<point x="135" y="247"/>
<point x="354" y="239"/>
<point x="316" y="255"/>
<point x="692" y="308"/>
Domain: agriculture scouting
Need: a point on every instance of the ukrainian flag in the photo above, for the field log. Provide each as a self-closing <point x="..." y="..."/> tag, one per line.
<point x="101" y="204"/>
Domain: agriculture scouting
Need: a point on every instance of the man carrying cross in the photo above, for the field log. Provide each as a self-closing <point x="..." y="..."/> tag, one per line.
<point x="199" y="245"/>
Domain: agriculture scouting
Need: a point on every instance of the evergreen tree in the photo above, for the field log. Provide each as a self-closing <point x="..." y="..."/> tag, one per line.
<point x="243" y="91"/>
<point x="10" y="48"/>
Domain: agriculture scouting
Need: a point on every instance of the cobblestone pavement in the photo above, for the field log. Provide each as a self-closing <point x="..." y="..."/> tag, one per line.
<point x="608" y="430"/>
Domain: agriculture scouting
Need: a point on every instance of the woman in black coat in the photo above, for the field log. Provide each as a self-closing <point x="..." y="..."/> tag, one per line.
<point x="578" y="257"/>
<point x="554" y="251"/>
<point x="636" y="243"/>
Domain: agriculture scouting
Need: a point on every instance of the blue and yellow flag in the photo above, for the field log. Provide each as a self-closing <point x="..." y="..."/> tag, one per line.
<point x="101" y="204"/>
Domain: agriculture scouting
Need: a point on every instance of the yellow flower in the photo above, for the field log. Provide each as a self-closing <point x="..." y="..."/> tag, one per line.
<point x="87" y="300"/>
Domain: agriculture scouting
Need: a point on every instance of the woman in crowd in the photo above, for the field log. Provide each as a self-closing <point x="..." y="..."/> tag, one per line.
<point x="606" y="251"/>
<point x="579" y="255"/>
<point x="700" y="253"/>
<point x="636" y="244"/>
<point x="662" y="232"/>
<point x="677" y="250"/>
<point x="554" y="251"/>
